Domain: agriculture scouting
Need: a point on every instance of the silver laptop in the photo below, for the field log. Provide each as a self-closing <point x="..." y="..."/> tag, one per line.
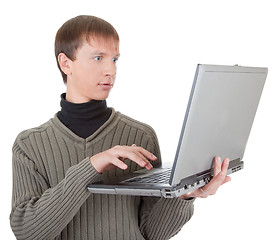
<point x="217" y="122"/>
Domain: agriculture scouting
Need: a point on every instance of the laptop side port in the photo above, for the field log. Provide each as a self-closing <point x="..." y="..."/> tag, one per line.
<point x="235" y="169"/>
<point x="167" y="193"/>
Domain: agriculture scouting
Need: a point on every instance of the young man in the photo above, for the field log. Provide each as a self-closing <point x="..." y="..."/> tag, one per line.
<point x="87" y="141"/>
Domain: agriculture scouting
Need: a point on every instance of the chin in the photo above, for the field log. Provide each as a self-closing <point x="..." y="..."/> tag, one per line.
<point x="100" y="98"/>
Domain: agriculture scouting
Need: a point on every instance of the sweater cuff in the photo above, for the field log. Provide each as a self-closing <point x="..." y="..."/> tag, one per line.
<point x="186" y="202"/>
<point x="86" y="171"/>
<point x="179" y="204"/>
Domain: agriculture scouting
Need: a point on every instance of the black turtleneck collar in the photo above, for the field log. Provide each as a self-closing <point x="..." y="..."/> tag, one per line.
<point x="83" y="118"/>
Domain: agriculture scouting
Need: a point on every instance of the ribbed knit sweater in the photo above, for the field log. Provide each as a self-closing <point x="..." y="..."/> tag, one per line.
<point x="51" y="171"/>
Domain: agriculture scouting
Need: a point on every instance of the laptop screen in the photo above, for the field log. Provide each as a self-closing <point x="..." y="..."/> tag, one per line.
<point x="219" y="117"/>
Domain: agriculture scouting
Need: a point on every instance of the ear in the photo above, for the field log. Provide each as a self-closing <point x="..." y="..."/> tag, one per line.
<point x="65" y="64"/>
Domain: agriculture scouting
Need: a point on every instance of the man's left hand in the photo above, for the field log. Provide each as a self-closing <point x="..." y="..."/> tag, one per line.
<point x="219" y="177"/>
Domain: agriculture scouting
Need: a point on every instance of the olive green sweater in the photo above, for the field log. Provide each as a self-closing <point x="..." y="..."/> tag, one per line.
<point x="51" y="171"/>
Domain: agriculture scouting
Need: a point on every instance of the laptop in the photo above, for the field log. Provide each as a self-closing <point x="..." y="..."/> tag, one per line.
<point x="219" y="116"/>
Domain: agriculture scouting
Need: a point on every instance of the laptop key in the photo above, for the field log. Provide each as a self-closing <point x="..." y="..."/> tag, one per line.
<point x="161" y="177"/>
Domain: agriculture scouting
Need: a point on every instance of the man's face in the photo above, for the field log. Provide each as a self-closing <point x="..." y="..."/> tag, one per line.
<point x="93" y="71"/>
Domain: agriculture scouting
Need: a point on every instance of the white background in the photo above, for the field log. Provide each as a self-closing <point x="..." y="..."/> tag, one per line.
<point x="161" y="44"/>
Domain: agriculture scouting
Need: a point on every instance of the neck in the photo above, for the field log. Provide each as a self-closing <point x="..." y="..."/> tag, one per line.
<point x="83" y="118"/>
<point x="72" y="97"/>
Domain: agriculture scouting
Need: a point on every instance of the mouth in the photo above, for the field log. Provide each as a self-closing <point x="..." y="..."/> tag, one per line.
<point x="106" y="85"/>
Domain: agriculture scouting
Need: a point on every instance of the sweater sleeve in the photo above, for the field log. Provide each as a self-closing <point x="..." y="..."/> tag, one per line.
<point x="40" y="212"/>
<point x="162" y="218"/>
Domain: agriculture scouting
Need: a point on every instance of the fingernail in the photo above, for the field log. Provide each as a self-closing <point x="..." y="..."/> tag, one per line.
<point x="124" y="166"/>
<point x="153" y="156"/>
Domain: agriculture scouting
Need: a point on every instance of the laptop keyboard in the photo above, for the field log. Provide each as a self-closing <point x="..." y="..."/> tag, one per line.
<point x="160" y="177"/>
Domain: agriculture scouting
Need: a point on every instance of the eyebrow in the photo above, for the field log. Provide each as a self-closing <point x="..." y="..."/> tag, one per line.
<point x="103" y="54"/>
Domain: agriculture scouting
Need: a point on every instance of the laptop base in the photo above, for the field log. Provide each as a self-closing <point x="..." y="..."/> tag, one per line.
<point x="160" y="190"/>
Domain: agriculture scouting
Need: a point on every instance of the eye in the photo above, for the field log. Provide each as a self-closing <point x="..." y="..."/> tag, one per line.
<point x="115" y="60"/>
<point x="98" y="58"/>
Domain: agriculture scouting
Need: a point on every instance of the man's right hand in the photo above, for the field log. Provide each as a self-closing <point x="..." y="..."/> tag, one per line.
<point x="115" y="156"/>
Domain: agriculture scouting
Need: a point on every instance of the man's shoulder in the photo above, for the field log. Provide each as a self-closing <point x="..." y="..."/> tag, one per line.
<point x="137" y="124"/>
<point x="144" y="131"/>
<point x="25" y="135"/>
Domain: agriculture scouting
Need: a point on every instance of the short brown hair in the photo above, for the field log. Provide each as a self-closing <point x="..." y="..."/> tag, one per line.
<point x="72" y="34"/>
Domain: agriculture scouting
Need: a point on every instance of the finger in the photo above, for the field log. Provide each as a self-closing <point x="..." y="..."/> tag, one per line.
<point x="122" y="159"/>
<point x="132" y="153"/>
<point x="147" y="163"/>
<point x="227" y="179"/>
<point x="217" y="166"/>
<point x="218" y="180"/>
<point x="204" y="194"/>
<point x="133" y="145"/>
<point x="147" y="154"/>
<point x="212" y="187"/>
<point x="144" y="162"/>
<point x="221" y="175"/>
<point x="135" y="156"/>
<point x="118" y="163"/>
<point x="225" y="166"/>
<point x="214" y="184"/>
<point x="201" y="193"/>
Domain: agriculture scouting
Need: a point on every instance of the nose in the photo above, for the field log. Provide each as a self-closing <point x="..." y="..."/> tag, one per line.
<point x="110" y="69"/>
